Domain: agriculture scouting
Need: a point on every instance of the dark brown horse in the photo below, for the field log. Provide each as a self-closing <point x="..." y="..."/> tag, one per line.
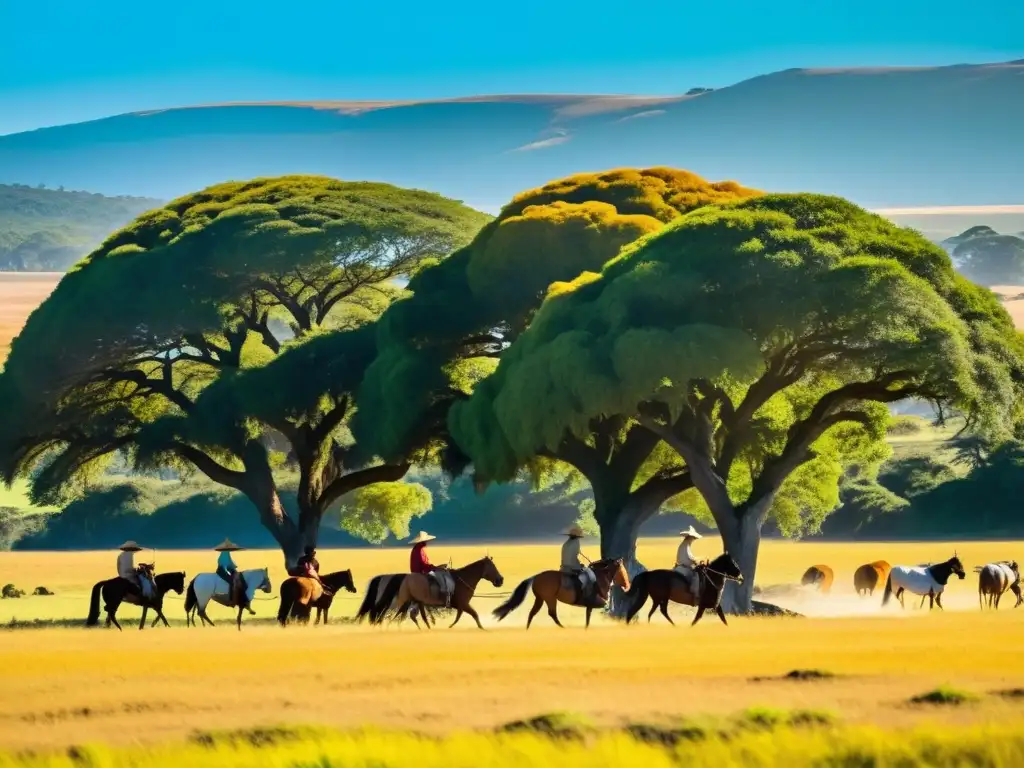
<point x="116" y="591"/>
<point x="300" y="594"/>
<point x="664" y="585"/>
<point x="550" y="587"/>
<point x="379" y="601"/>
<point x="870" y="576"/>
<point x="820" y="576"/>
<point x="417" y="591"/>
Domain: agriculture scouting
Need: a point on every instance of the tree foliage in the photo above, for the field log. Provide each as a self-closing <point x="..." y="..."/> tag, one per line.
<point x="165" y="344"/>
<point x="761" y="341"/>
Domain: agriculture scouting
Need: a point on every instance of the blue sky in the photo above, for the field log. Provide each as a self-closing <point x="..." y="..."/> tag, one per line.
<point x="67" y="61"/>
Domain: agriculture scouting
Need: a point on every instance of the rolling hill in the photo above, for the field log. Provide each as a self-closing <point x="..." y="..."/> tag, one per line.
<point x="881" y="137"/>
<point x="50" y="229"/>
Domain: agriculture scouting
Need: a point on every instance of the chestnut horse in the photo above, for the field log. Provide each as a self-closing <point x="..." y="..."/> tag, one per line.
<point x="663" y="585"/>
<point x="116" y="591"/>
<point x="820" y="576"/>
<point x="300" y="594"/>
<point x="416" y="591"/>
<point x="549" y="587"/>
<point x="870" y="576"/>
<point x="996" y="578"/>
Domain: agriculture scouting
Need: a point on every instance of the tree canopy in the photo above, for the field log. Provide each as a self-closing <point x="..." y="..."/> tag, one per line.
<point x="759" y="340"/>
<point x="168" y="344"/>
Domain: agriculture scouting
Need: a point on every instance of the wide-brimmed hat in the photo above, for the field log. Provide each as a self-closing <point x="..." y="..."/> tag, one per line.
<point x="422" y="537"/>
<point x="691" y="533"/>
<point x="227" y="546"/>
<point x="575" y="532"/>
<point x="130" y="546"/>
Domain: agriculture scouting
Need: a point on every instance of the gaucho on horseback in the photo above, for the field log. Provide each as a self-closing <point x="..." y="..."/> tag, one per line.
<point x="229" y="572"/>
<point x="437" y="575"/>
<point x="582" y="577"/>
<point x="140" y="578"/>
<point x="309" y="567"/>
<point x="686" y="563"/>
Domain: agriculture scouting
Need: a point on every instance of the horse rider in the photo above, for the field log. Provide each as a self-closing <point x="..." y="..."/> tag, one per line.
<point x="685" y="562"/>
<point x="420" y="563"/>
<point x="229" y="572"/>
<point x="571" y="564"/>
<point x="309" y="567"/>
<point x="138" y="577"/>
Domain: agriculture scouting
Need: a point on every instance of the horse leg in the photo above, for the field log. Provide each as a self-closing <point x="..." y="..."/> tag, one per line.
<point x="239" y="620"/>
<point x="997" y="600"/>
<point x="326" y="610"/>
<point x="142" y="621"/>
<point x="664" y="611"/>
<point x="700" y="612"/>
<point x="537" y="603"/>
<point x="721" y="615"/>
<point x="476" y="617"/>
<point x="589" y="611"/>
<point x="553" y="612"/>
<point x="938" y="601"/>
<point x="458" y="615"/>
<point x="206" y="619"/>
<point x="654" y="607"/>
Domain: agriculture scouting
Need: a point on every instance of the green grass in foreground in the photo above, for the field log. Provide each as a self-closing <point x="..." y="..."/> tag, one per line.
<point x="750" y="745"/>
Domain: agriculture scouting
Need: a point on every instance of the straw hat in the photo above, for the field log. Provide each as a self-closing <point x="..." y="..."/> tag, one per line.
<point x="690" y="533"/>
<point x="422" y="537"/>
<point x="227" y="546"/>
<point x="130" y="546"/>
<point x="575" y="532"/>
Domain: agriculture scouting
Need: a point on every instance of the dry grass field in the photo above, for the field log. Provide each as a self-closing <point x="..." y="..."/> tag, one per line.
<point x="20" y="293"/>
<point x="63" y="686"/>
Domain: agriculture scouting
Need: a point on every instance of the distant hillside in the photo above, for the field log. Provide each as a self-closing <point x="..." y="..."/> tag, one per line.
<point x="44" y="230"/>
<point x="881" y="137"/>
<point x="986" y="257"/>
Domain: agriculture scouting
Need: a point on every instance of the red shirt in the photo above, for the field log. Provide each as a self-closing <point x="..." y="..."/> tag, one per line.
<point x="418" y="562"/>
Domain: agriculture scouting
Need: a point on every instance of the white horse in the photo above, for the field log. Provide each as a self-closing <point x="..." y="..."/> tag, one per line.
<point x="209" y="586"/>
<point x="925" y="580"/>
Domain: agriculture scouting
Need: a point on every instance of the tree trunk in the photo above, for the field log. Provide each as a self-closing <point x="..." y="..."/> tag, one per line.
<point x="619" y="531"/>
<point x="275" y="519"/>
<point x="742" y="539"/>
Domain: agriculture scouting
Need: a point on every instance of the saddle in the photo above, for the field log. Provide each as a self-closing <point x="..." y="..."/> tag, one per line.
<point x="442" y="586"/>
<point x="583" y="585"/>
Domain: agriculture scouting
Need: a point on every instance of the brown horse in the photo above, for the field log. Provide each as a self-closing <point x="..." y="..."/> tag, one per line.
<point x="994" y="579"/>
<point x="116" y="591"/>
<point x="820" y="576"/>
<point x="300" y="594"/>
<point x="665" y="585"/>
<point x="549" y="587"/>
<point x="416" y="592"/>
<point x="870" y="576"/>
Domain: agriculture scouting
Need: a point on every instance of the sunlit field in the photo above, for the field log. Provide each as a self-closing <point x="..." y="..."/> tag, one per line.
<point x="20" y="293"/>
<point x="69" y="685"/>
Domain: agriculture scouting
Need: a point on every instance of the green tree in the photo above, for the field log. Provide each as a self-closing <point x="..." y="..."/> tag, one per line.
<point x="169" y="344"/>
<point x="761" y="342"/>
<point x="436" y="346"/>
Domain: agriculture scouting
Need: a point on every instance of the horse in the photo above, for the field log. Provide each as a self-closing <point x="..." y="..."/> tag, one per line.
<point x="549" y="587"/>
<point x="820" y="576"/>
<point x="381" y="597"/>
<point x="996" y="578"/>
<point x="209" y="586"/>
<point x="300" y="594"/>
<point x="926" y="580"/>
<point x="867" y="578"/>
<point x="663" y="585"/>
<point x="116" y="591"/>
<point x="415" y="591"/>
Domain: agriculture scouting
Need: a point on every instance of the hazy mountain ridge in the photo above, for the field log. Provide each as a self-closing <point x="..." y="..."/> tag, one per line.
<point x="879" y="136"/>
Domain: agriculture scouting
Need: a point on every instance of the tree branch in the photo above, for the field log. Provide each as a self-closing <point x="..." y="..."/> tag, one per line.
<point x="385" y="473"/>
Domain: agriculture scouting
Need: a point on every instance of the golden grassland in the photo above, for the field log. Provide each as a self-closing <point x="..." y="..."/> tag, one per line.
<point x="20" y="293"/>
<point x="63" y="686"/>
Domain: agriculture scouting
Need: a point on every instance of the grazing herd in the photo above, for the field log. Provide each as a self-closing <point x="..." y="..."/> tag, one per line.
<point x="928" y="581"/>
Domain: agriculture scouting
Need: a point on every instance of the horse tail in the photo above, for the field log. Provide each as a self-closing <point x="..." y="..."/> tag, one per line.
<point x="888" y="590"/>
<point x="638" y="594"/>
<point x="94" y="605"/>
<point x="287" y="600"/>
<point x="513" y="602"/>
<point x="387" y="597"/>
<point x="370" y="600"/>
<point x="190" y="598"/>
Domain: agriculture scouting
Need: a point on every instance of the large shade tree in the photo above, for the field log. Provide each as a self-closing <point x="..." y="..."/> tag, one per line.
<point x="435" y="346"/>
<point x="190" y="339"/>
<point x="761" y="342"/>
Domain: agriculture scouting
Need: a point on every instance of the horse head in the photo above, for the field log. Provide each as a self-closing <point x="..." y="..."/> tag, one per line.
<point x="175" y="582"/>
<point x="727" y="566"/>
<point x="346" y="581"/>
<point x="491" y="572"/>
<point x="956" y="566"/>
<point x="264" y="585"/>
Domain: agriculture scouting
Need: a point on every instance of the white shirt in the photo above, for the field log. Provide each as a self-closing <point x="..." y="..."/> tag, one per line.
<point x="126" y="565"/>
<point x="571" y="553"/>
<point x="684" y="555"/>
